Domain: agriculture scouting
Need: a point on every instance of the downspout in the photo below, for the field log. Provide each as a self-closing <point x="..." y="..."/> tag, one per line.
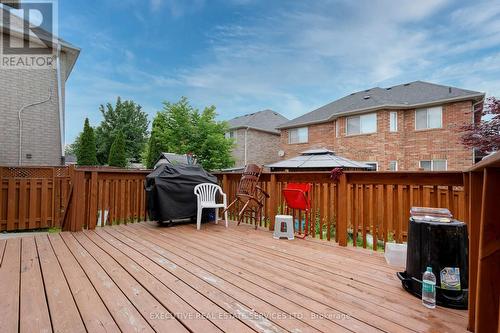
<point x="19" y="114"/>
<point x="473" y="122"/>
<point x="60" y="100"/>
<point x="246" y="131"/>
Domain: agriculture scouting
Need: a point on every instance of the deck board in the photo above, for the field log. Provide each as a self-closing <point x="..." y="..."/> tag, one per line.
<point x="121" y="278"/>
<point x="9" y="286"/>
<point x="370" y="289"/>
<point x="285" y="278"/>
<point x="94" y="314"/>
<point x="34" y="312"/>
<point x="63" y="311"/>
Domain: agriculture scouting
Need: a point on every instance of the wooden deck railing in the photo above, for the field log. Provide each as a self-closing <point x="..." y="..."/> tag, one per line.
<point x="483" y="194"/>
<point x="361" y="206"/>
<point x="106" y="196"/>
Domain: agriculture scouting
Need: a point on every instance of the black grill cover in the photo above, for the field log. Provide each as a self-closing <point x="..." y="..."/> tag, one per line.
<point x="170" y="191"/>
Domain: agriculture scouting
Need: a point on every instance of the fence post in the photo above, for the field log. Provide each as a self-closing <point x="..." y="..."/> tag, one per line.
<point x="342" y="213"/>
<point x="225" y="187"/>
<point x="78" y="208"/>
<point x="91" y="223"/>
<point x="272" y="201"/>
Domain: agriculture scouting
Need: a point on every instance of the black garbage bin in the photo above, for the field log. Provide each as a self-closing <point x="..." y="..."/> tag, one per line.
<point x="442" y="246"/>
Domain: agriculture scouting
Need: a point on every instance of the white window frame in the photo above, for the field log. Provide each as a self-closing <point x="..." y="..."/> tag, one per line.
<point x="298" y="129"/>
<point x="231" y="135"/>
<point x="337" y="128"/>
<point x="372" y="162"/>
<point x="432" y="164"/>
<point x="427" y="118"/>
<point x="393" y="123"/>
<point x="360" y="126"/>
<point x="396" y="164"/>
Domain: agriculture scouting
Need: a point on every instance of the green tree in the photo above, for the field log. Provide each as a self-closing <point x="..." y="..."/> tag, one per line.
<point x="209" y="143"/>
<point x="155" y="144"/>
<point x="117" y="152"/>
<point x="86" y="146"/>
<point x="180" y="128"/>
<point x="126" y="117"/>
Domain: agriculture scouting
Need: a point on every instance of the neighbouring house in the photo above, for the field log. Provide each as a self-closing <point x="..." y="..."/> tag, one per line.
<point x="256" y="137"/>
<point x="175" y="159"/>
<point x="412" y="126"/>
<point x="318" y="160"/>
<point x="70" y="160"/>
<point x="32" y="99"/>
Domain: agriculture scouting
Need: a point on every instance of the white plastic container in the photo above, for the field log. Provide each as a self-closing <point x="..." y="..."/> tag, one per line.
<point x="395" y="254"/>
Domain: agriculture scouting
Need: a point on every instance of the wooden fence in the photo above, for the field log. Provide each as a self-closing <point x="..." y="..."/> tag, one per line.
<point x="32" y="197"/>
<point x="361" y="207"/>
<point x="68" y="197"/>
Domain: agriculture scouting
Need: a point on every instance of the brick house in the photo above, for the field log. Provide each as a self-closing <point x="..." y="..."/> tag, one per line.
<point x="32" y="100"/>
<point x="256" y="138"/>
<point x="407" y="127"/>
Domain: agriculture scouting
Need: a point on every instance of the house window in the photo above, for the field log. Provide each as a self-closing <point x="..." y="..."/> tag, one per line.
<point x="374" y="165"/>
<point x="434" y="165"/>
<point x="393" y="165"/>
<point x="366" y="123"/>
<point x="393" y="122"/>
<point x="231" y="135"/>
<point x="298" y="135"/>
<point x="429" y="118"/>
<point x="337" y="133"/>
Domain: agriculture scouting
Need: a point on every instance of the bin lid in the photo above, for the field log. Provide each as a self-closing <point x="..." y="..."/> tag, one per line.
<point x="434" y="221"/>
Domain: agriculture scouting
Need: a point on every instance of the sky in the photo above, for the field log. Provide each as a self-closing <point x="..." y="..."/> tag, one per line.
<point x="289" y="56"/>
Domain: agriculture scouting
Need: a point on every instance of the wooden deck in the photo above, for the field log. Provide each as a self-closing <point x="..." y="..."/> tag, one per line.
<point x="141" y="277"/>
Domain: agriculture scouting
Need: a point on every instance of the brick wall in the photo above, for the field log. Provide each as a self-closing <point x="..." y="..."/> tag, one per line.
<point x="262" y="147"/>
<point x="40" y="134"/>
<point x="407" y="146"/>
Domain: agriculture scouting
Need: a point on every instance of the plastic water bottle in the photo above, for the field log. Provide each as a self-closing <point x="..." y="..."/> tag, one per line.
<point x="429" y="289"/>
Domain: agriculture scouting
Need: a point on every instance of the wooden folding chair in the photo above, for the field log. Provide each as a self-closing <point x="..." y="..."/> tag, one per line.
<point x="250" y="195"/>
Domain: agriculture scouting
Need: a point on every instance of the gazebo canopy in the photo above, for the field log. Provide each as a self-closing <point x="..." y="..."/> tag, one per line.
<point x="317" y="159"/>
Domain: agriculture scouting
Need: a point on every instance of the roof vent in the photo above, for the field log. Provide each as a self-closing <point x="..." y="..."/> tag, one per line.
<point x="366" y="97"/>
<point x="449" y="90"/>
<point x="352" y="94"/>
<point x="406" y="84"/>
<point x="367" y="90"/>
<point x="388" y="88"/>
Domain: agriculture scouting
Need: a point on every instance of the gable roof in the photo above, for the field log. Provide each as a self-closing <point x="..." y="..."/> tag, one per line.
<point x="404" y="96"/>
<point x="266" y="120"/>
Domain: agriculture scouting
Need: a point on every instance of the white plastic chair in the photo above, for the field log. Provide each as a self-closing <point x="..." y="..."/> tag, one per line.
<point x="206" y="194"/>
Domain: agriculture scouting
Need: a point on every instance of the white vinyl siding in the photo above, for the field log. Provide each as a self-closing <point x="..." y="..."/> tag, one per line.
<point x="366" y="123"/>
<point x="434" y="165"/>
<point x="429" y="118"/>
<point x="393" y="120"/>
<point x="298" y="135"/>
